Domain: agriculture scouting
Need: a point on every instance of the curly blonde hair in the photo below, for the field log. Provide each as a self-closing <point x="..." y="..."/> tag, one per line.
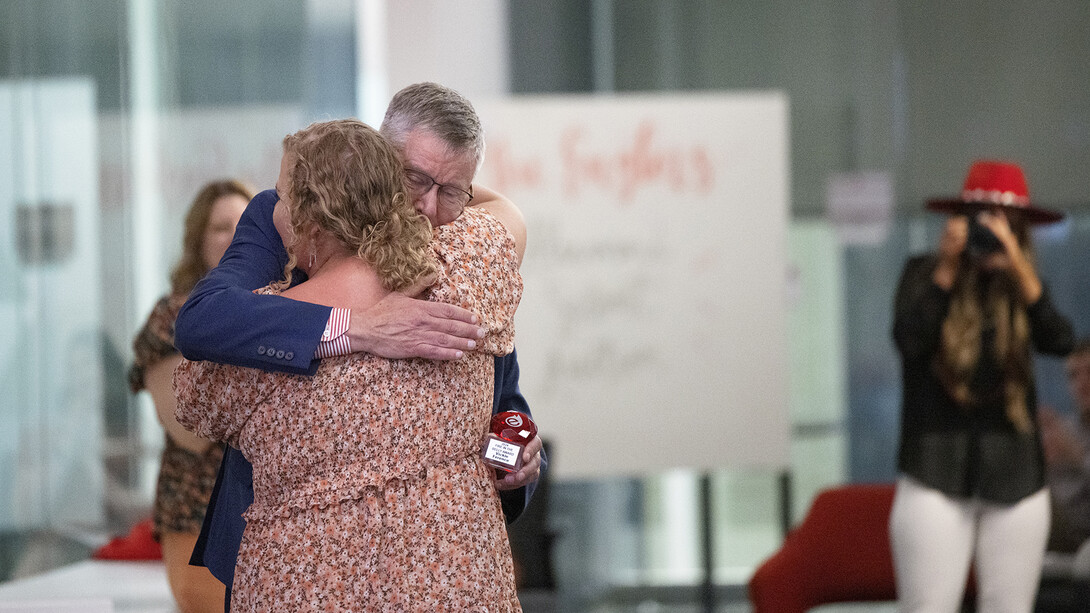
<point x="997" y="302"/>
<point x="348" y="181"/>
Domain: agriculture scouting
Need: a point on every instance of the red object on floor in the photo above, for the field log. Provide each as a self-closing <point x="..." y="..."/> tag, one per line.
<point x="839" y="553"/>
<point x="138" y="544"/>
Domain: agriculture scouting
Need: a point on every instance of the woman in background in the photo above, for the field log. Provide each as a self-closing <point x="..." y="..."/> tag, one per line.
<point x="188" y="464"/>
<point x="972" y="472"/>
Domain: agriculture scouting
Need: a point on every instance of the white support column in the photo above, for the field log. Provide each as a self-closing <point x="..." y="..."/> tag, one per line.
<point x="146" y="201"/>
<point x="372" y="61"/>
<point x="145" y="195"/>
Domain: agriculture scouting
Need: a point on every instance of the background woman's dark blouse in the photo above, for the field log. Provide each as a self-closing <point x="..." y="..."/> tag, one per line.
<point x="965" y="452"/>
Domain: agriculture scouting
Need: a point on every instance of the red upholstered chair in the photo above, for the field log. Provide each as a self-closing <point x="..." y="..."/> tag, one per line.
<point x="839" y="553"/>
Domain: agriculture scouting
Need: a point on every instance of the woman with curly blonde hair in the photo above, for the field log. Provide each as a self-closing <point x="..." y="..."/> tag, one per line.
<point x="369" y="490"/>
<point x="343" y="190"/>
<point x="972" y="485"/>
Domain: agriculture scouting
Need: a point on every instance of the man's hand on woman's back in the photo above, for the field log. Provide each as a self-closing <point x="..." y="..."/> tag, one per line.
<point x="401" y="325"/>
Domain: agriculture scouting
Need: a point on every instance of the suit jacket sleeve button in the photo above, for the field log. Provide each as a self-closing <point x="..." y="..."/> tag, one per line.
<point x="289" y="355"/>
<point x="280" y="354"/>
<point x="261" y="350"/>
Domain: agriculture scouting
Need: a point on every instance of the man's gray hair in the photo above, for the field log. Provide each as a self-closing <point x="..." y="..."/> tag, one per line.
<point x="440" y="110"/>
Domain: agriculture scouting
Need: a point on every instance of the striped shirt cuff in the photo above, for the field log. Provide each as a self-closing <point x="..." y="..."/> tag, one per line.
<point x="334" y="340"/>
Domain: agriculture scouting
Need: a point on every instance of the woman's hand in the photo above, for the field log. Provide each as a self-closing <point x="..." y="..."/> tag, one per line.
<point x="1013" y="259"/>
<point x="951" y="245"/>
<point x="997" y="223"/>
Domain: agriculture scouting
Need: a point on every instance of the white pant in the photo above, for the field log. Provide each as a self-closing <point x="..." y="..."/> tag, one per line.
<point x="934" y="537"/>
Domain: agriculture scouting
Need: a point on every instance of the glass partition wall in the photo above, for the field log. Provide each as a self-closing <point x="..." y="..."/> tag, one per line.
<point x="113" y="113"/>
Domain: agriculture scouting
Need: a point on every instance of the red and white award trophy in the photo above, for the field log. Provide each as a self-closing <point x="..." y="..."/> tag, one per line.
<point x="510" y="432"/>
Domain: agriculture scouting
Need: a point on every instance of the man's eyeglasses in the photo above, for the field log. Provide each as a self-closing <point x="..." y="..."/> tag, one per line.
<point x="452" y="199"/>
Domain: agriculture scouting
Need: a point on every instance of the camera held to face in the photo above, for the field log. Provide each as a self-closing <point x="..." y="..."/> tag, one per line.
<point x="982" y="241"/>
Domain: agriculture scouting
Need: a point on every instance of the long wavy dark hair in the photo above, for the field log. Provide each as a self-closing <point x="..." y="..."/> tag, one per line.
<point x="978" y="298"/>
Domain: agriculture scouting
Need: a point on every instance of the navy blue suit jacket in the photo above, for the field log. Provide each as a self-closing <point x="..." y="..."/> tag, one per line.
<point x="223" y="321"/>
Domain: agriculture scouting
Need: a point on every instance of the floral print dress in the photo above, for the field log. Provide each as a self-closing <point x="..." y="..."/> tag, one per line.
<point x="369" y="490"/>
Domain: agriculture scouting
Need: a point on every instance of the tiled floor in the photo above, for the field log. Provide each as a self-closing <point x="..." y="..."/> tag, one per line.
<point x="140" y="587"/>
<point x="91" y="587"/>
<point x="729" y="607"/>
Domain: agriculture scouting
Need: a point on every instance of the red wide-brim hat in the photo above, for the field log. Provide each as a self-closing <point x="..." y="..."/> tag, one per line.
<point x="995" y="184"/>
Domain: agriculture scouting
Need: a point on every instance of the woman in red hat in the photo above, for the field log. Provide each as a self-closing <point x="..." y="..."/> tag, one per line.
<point x="972" y="474"/>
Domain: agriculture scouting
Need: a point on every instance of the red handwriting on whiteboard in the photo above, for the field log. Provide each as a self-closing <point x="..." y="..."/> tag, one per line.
<point x="625" y="165"/>
<point x="509" y="172"/>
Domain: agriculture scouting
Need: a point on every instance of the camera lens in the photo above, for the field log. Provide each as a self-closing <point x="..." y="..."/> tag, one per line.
<point x="982" y="241"/>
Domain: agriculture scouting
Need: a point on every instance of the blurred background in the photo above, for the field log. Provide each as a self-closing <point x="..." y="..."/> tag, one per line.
<point x="114" y="112"/>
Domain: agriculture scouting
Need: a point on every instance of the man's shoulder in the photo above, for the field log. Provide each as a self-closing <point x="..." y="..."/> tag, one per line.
<point x="259" y="213"/>
<point x="263" y="203"/>
<point x="260" y="209"/>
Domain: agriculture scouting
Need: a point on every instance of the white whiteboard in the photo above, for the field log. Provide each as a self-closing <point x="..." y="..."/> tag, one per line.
<point x="651" y="334"/>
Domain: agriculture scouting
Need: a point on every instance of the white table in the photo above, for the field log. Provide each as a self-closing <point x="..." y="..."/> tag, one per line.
<point x="91" y="586"/>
